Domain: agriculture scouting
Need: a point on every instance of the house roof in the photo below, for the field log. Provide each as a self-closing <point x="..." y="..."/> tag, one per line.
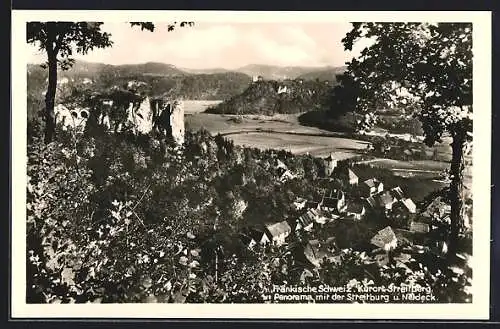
<point x="280" y="164"/>
<point x="419" y="227"/>
<point x="307" y="218"/>
<point x="278" y="228"/>
<point x="437" y="206"/>
<point x="372" y="182"/>
<point x="409" y="203"/>
<point x="351" y="174"/>
<point x="315" y="252"/>
<point x="383" y="237"/>
<point x="407" y="152"/>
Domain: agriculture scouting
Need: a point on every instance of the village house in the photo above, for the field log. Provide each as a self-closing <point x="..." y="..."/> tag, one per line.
<point x="286" y="175"/>
<point x="315" y="252"/>
<point x="438" y="208"/>
<point x="356" y="210"/>
<point x="385" y="239"/>
<point x="410" y="205"/>
<point x="352" y="177"/>
<point x="278" y="232"/>
<point x="306" y="221"/>
<point x="322" y="218"/>
<point x="334" y="202"/>
<point x="256" y="234"/>
<point x="248" y="241"/>
<point x="419" y="227"/>
<point x="403" y="209"/>
<point x="330" y="165"/>
<point x="282" y="89"/>
<point x="371" y="186"/>
<point x="299" y="203"/>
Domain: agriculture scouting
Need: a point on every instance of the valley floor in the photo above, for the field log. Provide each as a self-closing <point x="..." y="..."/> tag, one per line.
<point x="285" y="132"/>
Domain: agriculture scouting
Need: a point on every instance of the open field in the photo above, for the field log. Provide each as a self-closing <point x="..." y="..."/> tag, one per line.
<point x="196" y="106"/>
<point x="285" y="132"/>
<point x="277" y="132"/>
<point x="342" y="148"/>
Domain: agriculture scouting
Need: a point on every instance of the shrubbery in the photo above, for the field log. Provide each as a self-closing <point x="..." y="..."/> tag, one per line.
<point x="122" y="218"/>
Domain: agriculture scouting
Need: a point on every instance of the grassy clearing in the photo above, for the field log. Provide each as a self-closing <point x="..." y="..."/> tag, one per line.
<point x="197" y="106"/>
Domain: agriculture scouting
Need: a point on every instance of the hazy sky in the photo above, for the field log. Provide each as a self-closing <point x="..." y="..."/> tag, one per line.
<point x="224" y="45"/>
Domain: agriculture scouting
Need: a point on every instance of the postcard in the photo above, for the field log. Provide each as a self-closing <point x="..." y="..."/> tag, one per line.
<point x="259" y="165"/>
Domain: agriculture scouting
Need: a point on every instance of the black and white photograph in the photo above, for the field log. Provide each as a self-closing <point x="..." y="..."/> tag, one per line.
<point x="326" y="162"/>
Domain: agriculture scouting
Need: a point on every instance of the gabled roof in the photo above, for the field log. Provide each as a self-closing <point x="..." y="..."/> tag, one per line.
<point x="383" y="237"/>
<point x="410" y="205"/>
<point x="278" y="228"/>
<point x="437" y="206"/>
<point x="333" y="198"/>
<point x="351" y="174"/>
<point x="280" y="164"/>
<point x="307" y="218"/>
<point x="372" y="182"/>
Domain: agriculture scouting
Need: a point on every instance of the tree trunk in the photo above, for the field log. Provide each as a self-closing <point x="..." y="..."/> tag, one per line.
<point x="50" y="118"/>
<point x="456" y="191"/>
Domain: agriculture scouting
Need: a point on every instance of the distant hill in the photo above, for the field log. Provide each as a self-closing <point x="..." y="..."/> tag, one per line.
<point x="270" y="97"/>
<point x="162" y="78"/>
<point x="272" y="72"/>
<point x="329" y="74"/>
<point x="205" y="71"/>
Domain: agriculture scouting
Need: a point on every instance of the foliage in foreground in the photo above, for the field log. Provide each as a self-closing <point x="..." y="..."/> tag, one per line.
<point x="118" y="218"/>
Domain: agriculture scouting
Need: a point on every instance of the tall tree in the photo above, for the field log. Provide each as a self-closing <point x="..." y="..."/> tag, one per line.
<point x="425" y="67"/>
<point x="59" y="40"/>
